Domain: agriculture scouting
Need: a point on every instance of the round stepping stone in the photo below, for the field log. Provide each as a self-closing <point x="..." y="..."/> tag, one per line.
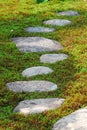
<point x="31" y="86"/>
<point x="75" y="121"/>
<point x="68" y="13"/>
<point x="52" y="58"/>
<point x="38" y="105"/>
<point x="36" y="44"/>
<point x="38" y="70"/>
<point x="39" y="29"/>
<point x="57" y="22"/>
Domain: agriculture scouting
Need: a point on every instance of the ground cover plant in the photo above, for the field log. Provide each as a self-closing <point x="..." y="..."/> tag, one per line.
<point x="70" y="74"/>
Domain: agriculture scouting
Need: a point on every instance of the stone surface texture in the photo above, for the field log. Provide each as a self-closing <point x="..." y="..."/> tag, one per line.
<point x="57" y="22"/>
<point x="75" y="121"/>
<point x="68" y="13"/>
<point x="52" y="58"/>
<point x="38" y="105"/>
<point x="39" y="29"/>
<point x="36" y="44"/>
<point x="38" y="70"/>
<point x="31" y="86"/>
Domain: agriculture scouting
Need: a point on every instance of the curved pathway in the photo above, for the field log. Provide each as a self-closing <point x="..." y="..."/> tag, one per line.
<point x="74" y="121"/>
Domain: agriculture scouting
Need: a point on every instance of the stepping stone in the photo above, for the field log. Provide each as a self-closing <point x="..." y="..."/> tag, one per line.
<point x="57" y="22"/>
<point x="31" y="86"/>
<point x="75" y="121"/>
<point x="39" y="29"/>
<point x="38" y="70"/>
<point x="52" y="58"/>
<point x="36" y="44"/>
<point x="68" y="13"/>
<point x="38" y="105"/>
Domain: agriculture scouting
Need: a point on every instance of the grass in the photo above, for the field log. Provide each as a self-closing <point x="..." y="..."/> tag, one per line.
<point x="70" y="75"/>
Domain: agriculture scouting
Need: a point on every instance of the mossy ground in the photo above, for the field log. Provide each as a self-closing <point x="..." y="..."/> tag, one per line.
<point x="70" y="74"/>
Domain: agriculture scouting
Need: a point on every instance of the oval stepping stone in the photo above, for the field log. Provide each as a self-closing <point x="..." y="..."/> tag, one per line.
<point x="31" y="86"/>
<point x="36" y="44"/>
<point x="75" y="121"/>
<point x="36" y="71"/>
<point x="57" y="22"/>
<point x="39" y="29"/>
<point x="38" y="105"/>
<point x="68" y="13"/>
<point x="52" y="58"/>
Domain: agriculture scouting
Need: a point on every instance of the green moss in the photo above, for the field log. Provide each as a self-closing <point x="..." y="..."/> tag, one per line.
<point x="70" y="75"/>
<point x="40" y="1"/>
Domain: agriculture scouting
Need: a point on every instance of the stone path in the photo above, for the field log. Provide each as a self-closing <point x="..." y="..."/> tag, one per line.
<point x="57" y="22"/>
<point x="38" y="70"/>
<point x="52" y="58"/>
<point x="39" y="29"/>
<point x="68" y="13"/>
<point x="36" y="44"/>
<point x="74" y="121"/>
<point x="38" y="105"/>
<point x="31" y="86"/>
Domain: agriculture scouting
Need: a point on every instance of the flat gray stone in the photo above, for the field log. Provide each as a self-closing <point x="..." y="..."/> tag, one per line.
<point x="68" y="13"/>
<point x="57" y="22"/>
<point x="75" y="121"/>
<point x="36" y="44"/>
<point x="38" y="105"/>
<point x="39" y="29"/>
<point x="38" y="70"/>
<point x="52" y="58"/>
<point x="31" y="86"/>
